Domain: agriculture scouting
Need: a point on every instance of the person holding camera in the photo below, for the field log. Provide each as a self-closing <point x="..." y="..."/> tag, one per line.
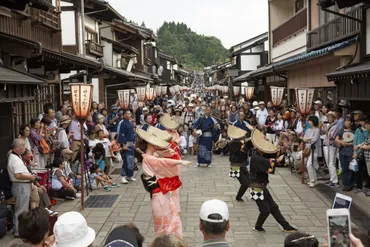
<point x="21" y="179"/>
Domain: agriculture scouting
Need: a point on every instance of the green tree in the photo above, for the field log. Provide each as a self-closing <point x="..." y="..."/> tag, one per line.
<point x="191" y="49"/>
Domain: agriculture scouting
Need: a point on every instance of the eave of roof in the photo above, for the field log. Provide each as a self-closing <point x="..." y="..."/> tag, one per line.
<point x="125" y="74"/>
<point x="13" y="76"/>
<point x="361" y="70"/>
<point x="120" y="44"/>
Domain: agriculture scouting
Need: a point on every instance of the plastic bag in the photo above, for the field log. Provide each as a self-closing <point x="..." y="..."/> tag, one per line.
<point x="353" y="165"/>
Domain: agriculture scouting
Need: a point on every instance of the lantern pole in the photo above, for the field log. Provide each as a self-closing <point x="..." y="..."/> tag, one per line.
<point x="82" y="160"/>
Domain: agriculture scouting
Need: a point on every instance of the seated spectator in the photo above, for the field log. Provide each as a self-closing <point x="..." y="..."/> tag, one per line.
<point x="125" y="236"/>
<point x="34" y="228"/>
<point x="214" y="223"/>
<point x="71" y="230"/>
<point x="61" y="184"/>
<point x="168" y="241"/>
<point x="98" y="178"/>
<point x="298" y="239"/>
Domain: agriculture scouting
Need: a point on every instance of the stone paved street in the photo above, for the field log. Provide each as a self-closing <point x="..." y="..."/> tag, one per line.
<point x="303" y="207"/>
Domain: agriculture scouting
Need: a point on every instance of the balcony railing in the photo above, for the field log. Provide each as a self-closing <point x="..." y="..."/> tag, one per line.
<point x="294" y="25"/>
<point x="48" y="18"/>
<point x="335" y="30"/>
<point x="94" y="48"/>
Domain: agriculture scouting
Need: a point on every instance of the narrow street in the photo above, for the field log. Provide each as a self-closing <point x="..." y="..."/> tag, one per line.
<point x="303" y="207"/>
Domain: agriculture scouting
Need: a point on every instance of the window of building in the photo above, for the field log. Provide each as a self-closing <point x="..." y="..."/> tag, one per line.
<point x="168" y="65"/>
<point x="91" y="35"/>
<point x="299" y="5"/>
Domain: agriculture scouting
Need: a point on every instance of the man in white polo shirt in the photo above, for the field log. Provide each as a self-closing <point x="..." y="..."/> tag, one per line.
<point x="21" y="179"/>
<point x="261" y="114"/>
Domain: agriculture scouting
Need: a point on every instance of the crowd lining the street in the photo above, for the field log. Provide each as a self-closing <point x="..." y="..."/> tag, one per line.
<point x="328" y="141"/>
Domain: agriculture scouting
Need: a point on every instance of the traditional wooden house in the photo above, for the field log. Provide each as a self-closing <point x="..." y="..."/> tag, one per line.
<point x="306" y="43"/>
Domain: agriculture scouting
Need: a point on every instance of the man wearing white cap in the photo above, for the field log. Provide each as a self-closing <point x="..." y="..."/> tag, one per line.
<point x="214" y="223"/>
<point x="255" y="107"/>
<point x="317" y="105"/>
<point x="261" y="114"/>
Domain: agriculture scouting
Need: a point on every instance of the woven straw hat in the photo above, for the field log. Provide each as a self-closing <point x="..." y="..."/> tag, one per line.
<point x="151" y="139"/>
<point x="235" y="132"/>
<point x="259" y="141"/>
<point x="160" y="133"/>
<point x="168" y="122"/>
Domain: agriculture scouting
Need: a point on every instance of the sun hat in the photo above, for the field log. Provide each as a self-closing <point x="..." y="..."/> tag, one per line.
<point x="160" y="133"/>
<point x="121" y="237"/>
<point x="71" y="230"/>
<point x="151" y="139"/>
<point x="214" y="206"/>
<point x="168" y="122"/>
<point x="259" y="141"/>
<point x="235" y="132"/>
<point x="331" y="113"/>
<point x="64" y="120"/>
<point x="114" y="107"/>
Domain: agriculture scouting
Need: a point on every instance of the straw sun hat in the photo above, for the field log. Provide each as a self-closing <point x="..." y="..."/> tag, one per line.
<point x="168" y="122"/>
<point x="161" y="134"/>
<point x="259" y="141"/>
<point x="235" y="132"/>
<point x="151" y="139"/>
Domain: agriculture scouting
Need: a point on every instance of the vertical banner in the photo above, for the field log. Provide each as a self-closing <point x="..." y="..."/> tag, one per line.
<point x="142" y="93"/>
<point x="304" y="98"/>
<point x="164" y="90"/>
<point x="236" y="90"/>
<point x="277" y="94"/>
<point x="126" y="99"/>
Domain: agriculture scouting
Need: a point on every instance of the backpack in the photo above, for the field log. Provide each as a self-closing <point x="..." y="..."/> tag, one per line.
<point x="54" y="143"/>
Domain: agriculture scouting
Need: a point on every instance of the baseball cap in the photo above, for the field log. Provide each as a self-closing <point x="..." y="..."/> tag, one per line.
<point x="114" y="107"/>
<point x="261" y="103"/>
<point x="214" y="206"/>
<point x="318" y="102"/>
<point x="255" y="103"/>
<point x="145" y="109"/>
<point x="121" y="237"/>
<point x="71" y="230"/>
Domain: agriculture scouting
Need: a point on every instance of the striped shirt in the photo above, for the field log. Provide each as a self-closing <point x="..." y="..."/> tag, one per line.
<point x="219" y="242"/>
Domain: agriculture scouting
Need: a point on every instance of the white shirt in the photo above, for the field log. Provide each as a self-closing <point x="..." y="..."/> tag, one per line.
<point x="75" y="127"/>
<point x="183" y="143"/>
<point x="106" y="143"/>
<point x="16" y="166"/>
<point x="191" y="141"/>
<point x="261" y="116"/>
<point x="63" y="138"/>
<point x="299" y="128"/>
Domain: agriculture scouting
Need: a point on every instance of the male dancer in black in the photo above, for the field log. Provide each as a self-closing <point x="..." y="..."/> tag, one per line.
<point x="260" y="166"/>
<point x="238" y="156"/>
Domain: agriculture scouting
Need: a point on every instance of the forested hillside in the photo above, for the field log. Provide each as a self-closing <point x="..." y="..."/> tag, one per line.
<point x="194" y="51"/>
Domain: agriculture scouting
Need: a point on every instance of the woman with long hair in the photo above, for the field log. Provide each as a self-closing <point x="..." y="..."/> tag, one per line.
<point x="36" y="135"/>
<point x="314" y="144"/>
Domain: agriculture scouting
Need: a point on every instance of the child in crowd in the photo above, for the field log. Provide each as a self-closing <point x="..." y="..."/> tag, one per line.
<point x="116" y="149"/>
<point x="183" y="143"/>
<point x="192" y="144"/>
<point x="98" y="178"/>
<point x="98" y="155"/>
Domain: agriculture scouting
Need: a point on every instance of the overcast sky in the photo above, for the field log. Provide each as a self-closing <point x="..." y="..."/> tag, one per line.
<point x="232" y="21"/>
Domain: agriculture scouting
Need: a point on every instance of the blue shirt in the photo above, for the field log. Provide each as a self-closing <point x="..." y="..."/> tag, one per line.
<point x="113" y="127"/>
<point x="340" y="126"/>
<point x="160" y="126"/>
<point x="126" y="132"/>
<point x="241" y="124"/>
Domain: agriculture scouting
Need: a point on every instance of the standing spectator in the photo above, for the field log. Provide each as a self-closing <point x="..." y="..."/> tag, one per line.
<point x="113" y="120"/>
<point x="317" y="106"/>
<point x="269" y="126"/>
<point x="21" y="179"/>
<point x="357" y="118"/>
<point x="75" y="130"/>
<point x="127" y="138"/>
<point x="37" y="133"/>
<point x="345" y="141"/>
<point x="233" y="114"/>
<point x="366" y="149"/>
<point x="100" y="125"/>
<point x="214" y="223"/>
<point x="261" y="114"/>
<point x="62" y="111"/>
<point x="361" y="135"/>
<point x="330" y="148"/>
<point x="108" y="152"/>
<point x="24" y="133"/>
<point x="63" y="138"/>
<point x="313" y="134"/>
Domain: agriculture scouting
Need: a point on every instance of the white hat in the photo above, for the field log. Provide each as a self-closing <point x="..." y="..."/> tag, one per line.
<point x="145" y="109"/>
<point x="71" y="230"/>
<point x="318" y="102"/>
<point x="255" y="103"/>
<point x="256" y="108"/>
<point x="214" y="206"/>
<point x="261" y="103"/>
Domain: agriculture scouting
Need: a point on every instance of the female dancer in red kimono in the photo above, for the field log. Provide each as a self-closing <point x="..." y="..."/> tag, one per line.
<point x="161" y="178"/>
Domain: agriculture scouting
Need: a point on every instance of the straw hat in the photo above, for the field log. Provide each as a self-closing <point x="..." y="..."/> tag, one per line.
<point x="259" y="141"/>
<point x="159" y="133"/>
<point x="64" y="120"/>
<point x="168" y="122"/>
<point x="235" y="132"/>
<point x="151" y="139"/>
<point x="331" y="113"/>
